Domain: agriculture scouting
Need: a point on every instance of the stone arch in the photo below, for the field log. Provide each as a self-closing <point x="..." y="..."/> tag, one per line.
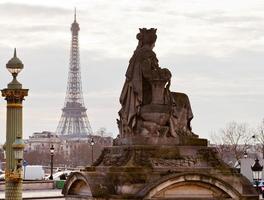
<point x="177" y="186"/>
<point x="77" y="184"/>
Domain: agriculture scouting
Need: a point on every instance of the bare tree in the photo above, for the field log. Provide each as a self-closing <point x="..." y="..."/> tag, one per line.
<point x="37" y="157"/>
<point x="101" y="131"/>
<point x="82" y="154"/>
<point x="233" y="141"/>
<point x="43" y="158"/>
<point x="259" y="136"/>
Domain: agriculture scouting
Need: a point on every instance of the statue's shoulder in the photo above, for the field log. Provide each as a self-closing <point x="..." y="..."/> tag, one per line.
<point x="181" y="99"/>
<point x="145" y="53"/>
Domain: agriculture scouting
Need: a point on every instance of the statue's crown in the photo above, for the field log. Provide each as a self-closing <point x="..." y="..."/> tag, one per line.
<point x="147" y="36"/>
<point x="148" y="31"/>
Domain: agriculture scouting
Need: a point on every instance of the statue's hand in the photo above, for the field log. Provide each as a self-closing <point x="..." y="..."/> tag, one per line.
<point x="168" y="85"/>
<point x="165" y="74"/>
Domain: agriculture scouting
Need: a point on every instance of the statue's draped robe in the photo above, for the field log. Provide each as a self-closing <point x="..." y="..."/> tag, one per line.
<point x="132" y="95"/>
<point x="137" y="92"/>
<point x="181" y="115"/>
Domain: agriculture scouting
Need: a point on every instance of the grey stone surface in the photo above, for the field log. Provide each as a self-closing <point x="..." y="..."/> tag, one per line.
<point x="145" y="172"/>
<point x="38" y="194"/>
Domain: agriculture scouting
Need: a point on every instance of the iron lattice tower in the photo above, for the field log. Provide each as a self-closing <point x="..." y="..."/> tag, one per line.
<point x="74" y="121"/>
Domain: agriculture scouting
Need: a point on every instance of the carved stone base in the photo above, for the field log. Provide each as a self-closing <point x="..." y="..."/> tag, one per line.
<point x="171" y="141"/>
<point x="158" y="172"/>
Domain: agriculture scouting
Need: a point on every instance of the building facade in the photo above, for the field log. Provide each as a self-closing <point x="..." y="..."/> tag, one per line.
<point x="68" y="150"/>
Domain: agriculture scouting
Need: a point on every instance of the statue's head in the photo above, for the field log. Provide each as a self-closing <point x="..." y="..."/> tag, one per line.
<point x="147" y="36"/>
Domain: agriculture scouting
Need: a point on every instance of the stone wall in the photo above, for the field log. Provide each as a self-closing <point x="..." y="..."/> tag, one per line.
<point x="32" y="185"/>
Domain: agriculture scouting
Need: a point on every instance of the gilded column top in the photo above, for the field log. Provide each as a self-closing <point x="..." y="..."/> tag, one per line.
<point x="14" y="95"/>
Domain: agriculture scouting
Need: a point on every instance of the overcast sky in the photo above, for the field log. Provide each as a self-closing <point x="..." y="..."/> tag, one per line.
<point x="213" y="48"/>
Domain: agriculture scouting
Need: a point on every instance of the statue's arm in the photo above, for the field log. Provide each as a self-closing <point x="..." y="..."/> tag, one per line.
<point x="146" y="68"/>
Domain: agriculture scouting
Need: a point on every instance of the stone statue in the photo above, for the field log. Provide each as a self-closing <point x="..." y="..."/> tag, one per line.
<point x="149" y="108"/>
<point x="156" y="155"/>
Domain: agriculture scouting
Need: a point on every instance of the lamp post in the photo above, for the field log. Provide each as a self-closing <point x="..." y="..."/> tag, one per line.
<point x="257" y="172"/>
<point x="2" y="160"/>
<point x="18" y="147"/>
<point x="92" y="144"/>
<point x="4" y="155"/>
<point x="245" y="154"/>
<point x="14" y="95"/>
<point x="51" y="161"/>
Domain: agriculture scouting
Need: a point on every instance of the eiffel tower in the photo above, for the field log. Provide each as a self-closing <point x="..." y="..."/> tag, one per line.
<point x="74" y="121"/>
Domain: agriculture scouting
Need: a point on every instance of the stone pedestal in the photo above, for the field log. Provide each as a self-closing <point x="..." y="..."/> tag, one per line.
<point x="158" y="172"/>
<point x="167" y="141"/>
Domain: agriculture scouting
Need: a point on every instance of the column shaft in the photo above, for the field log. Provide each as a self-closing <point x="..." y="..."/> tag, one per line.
<point x="13" y="190"/>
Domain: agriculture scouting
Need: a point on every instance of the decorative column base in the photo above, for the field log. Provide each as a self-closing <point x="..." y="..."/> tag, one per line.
<point x="13" y="190"/>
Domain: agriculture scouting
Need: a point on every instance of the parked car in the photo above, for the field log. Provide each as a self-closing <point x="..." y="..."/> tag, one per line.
<point x="260" y="183"/>
<point x="60" y="175"/>
<point x="33" y="172"/>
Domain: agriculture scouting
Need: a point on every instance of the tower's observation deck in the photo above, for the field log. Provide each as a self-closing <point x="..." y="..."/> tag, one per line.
<point x="74" y="121"/>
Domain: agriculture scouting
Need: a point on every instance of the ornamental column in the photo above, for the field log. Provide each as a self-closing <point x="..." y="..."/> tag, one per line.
<point x="14" y="95"/>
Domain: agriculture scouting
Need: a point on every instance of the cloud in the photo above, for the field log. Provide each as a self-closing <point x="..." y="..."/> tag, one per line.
<point x="218" y="31"/>
<point x="31" y="11"/>
<point x="214" y="50"/>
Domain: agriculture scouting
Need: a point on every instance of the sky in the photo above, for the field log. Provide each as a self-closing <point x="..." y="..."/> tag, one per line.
<point x="213" y="48"/>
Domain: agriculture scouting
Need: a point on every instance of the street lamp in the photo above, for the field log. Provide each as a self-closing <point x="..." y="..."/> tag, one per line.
<point x="245" y="154"/>
<point x="92" y="143"/>
<point x="257" y="172"/>
<point x="14" y="95"/>
<point x="4" y="148"/>
<point x="18" y="147"/>
<point x="51" y="161"/>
